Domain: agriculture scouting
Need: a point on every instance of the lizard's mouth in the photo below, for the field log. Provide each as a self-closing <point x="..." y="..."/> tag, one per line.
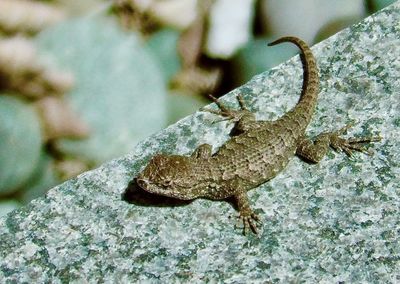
<point x="142" y="183"/>
<point x="149" y="186"/>
<point x="154" y="189"/>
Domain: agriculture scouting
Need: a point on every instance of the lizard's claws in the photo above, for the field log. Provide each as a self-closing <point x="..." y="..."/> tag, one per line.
<point x="234" y="115"/>
<point x="351" y="144"/>
<point x="250" y="220"/>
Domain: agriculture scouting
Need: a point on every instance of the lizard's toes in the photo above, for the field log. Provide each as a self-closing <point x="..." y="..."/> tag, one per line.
<point x="250" y="221"/>
<point x="344" y="129"/>
<point x="349" y="146"/>
<point x="362" y="140"/>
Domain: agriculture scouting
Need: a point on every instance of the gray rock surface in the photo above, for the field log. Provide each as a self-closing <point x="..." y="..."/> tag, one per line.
<point x="335" y="221"/>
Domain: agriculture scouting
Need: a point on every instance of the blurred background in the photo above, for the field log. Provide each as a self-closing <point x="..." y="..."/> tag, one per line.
<point x="81" y="82"/>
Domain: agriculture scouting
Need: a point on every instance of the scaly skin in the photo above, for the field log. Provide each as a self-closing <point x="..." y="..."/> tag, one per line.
<point x="256" y="154"/>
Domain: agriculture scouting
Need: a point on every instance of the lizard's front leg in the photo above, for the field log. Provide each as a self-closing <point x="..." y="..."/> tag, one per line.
<point x="314" y="151"/>
<point x="246" y="214"/>
<point x="202" y="152"/>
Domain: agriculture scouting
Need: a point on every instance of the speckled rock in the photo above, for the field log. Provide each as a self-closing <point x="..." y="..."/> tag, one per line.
<point x="335" y="221"/>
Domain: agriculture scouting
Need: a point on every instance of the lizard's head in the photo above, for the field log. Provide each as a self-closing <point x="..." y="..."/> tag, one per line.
<point x="167" y="175"/>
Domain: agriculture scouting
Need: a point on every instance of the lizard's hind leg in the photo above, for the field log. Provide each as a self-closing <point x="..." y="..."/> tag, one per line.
<point x="241" y="102"/>
<point x="202" y="152"/>
<point x="314" y="151"/>
<point x="249" y="219"/>
<point x="225" y="111"/>
<point x="244" y="118"/>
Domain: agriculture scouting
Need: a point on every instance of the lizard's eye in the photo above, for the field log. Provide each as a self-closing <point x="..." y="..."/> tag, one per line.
<point x="167" y="182"/>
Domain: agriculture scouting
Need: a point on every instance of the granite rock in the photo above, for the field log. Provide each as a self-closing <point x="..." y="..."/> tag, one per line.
<point x="331" y="222"/>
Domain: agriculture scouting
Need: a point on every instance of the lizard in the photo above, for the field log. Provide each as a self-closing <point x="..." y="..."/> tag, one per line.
<point x="256" y="152"/>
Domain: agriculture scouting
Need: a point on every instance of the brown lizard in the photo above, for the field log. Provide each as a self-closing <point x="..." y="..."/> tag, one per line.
<point x="256" y="154"/>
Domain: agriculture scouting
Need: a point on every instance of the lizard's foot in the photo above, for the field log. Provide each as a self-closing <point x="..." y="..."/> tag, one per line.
<point x="250" y="220"/>
<point x="351" y="144"/>
<point x="235" y="115"/>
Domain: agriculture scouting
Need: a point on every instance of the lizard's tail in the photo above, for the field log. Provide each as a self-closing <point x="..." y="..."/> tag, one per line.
<point x="311" y="79"/>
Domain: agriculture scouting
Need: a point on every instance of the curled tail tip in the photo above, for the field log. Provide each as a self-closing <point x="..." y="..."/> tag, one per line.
<point x="272" y="42"/>
<point x="286" y="39"/>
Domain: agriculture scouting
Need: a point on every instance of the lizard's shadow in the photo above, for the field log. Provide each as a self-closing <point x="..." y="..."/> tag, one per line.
<point x="134" y="194"/>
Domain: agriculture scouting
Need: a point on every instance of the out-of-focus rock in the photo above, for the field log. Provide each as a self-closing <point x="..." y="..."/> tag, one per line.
<point x="230" y="27"/>
<point x="20" y="143"/>
<point x="23" y="72"/>
<point x="59" y="120"/>
<point x="20" y="16"/>
<point x="304" y="18"/>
